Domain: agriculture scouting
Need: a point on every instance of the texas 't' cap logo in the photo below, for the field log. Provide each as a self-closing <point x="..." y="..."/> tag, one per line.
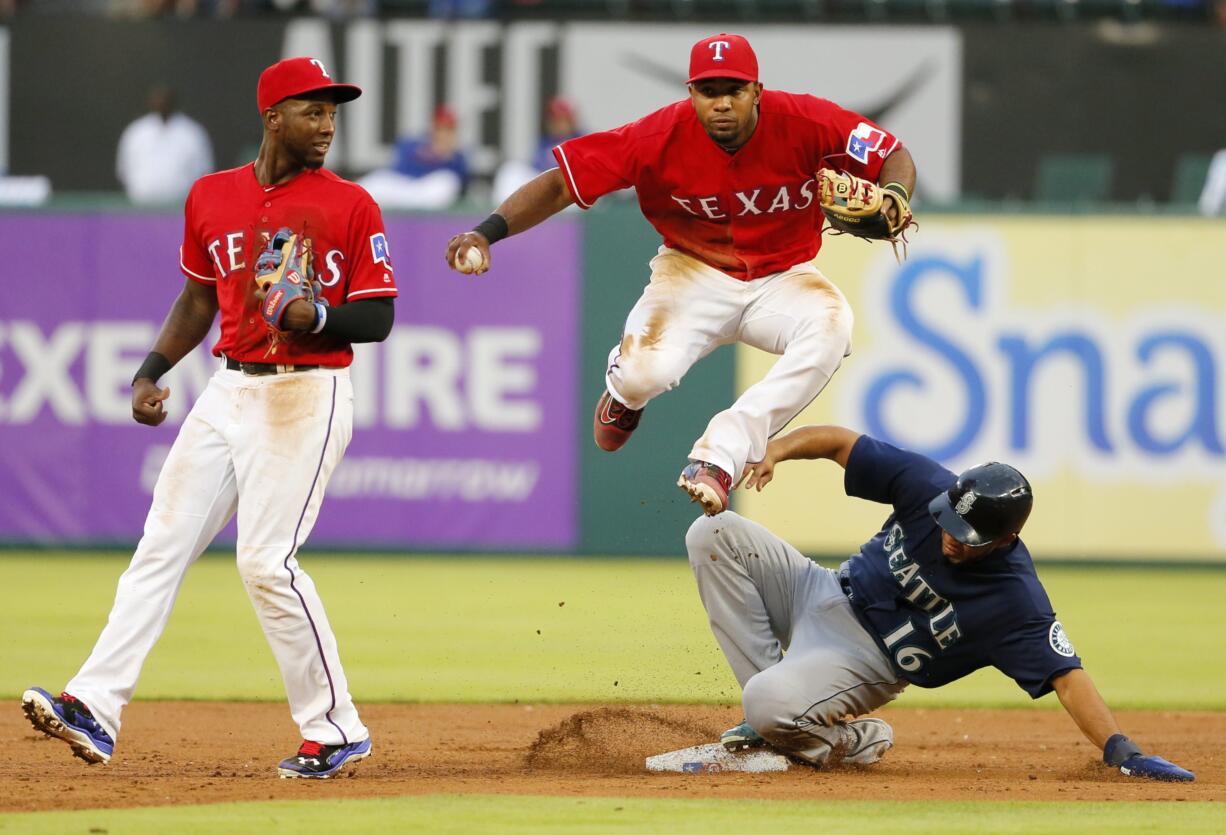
<point x="718" y="47"/>
<point x="322" y="70"/>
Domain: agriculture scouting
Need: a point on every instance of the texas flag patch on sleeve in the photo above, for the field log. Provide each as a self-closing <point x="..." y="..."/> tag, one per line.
<point x="864" y="140"/>
<point x="378" y="250"/>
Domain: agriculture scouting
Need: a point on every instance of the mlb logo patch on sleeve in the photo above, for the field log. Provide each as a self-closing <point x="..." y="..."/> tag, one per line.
<point x="378" y="250"/>
<point x="864" y="140"/>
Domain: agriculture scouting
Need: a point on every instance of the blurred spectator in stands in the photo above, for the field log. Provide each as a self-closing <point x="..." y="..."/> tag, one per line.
<point x="429" y="172"/>
<point x="337" y="9"/>
<point x="1213" y="195"/>
<point x="162" y="153"/>
<point x="561" y="124"/>
<point x="460" y="9"/>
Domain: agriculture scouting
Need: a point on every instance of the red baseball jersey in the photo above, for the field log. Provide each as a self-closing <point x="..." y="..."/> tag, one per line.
<point x="229" y="219"/>
<point x="749" y="213"/>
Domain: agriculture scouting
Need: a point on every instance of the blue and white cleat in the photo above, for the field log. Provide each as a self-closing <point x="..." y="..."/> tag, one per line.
<point x="63" y="717"/>
<point x="318" y="761"/>
<point x="741" y="738"/>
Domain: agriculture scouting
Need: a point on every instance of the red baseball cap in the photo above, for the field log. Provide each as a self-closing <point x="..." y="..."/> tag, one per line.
<point x="444" y="116"/>
<point x="723" y="56"/>
<point x="295" y="76"/>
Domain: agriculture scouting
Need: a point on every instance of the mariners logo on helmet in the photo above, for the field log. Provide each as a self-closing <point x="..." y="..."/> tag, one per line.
<point x="965" y="504"/>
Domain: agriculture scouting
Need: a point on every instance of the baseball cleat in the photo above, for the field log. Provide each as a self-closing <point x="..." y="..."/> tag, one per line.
<point x="866" y="741"/>
<point x="318" y="761"/>
<point x="708" y="485"/>
<point x="613" y="423"/>
<point x="63" y="717"/>
<point x="741" y="738"/>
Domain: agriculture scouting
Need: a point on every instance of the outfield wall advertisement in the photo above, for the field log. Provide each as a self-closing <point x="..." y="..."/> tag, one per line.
<point x="1090" y="353"/>
<point x="464" y="418"/>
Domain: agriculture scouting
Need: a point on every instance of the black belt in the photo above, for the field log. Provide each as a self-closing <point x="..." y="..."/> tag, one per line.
<point x="257" y="368"/>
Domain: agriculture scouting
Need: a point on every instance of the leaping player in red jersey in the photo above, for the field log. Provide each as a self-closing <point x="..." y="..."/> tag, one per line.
<point x="270" y="427"/>
<point x="727" y="178"/>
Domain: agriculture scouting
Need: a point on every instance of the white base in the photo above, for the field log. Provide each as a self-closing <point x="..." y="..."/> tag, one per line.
<point x="713" y="757"/>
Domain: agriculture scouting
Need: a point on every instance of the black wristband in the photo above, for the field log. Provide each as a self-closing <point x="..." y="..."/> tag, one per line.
<point x="899" y="189"/>
<point x="1118" y="749"/>
<point x="154" y="366"/>
<point x="494" y="228"/>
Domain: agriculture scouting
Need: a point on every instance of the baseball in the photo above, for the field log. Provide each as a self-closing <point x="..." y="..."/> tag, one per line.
<point x="472" y="261"/>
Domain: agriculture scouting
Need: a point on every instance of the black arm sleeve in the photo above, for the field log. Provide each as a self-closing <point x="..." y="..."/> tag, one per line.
<point x="366" y="320"/>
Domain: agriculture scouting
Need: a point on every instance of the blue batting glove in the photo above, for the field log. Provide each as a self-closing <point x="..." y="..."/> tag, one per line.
<point x="1124" y="754"/>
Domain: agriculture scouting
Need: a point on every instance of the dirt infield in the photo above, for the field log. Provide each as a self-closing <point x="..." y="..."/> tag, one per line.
<point x="183" y="752"/>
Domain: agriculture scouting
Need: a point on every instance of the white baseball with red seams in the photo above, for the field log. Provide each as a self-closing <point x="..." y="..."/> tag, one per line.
<point x="471" y="261"/>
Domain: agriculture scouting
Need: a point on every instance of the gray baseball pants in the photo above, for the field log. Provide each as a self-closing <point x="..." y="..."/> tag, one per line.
<point x="787" y="629"/>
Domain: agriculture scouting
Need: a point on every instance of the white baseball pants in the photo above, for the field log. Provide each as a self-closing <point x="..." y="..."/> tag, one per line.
<point x="689" y="309"/>
<point x="264" y="446"/>
<point x="765" y="599"/>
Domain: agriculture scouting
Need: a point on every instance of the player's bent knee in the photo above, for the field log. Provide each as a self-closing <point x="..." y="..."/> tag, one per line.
<point x="643" y="375"/>
<point x="703" y="542"/>
<point x="700" y="539"/>
<point x="767" y="703"/>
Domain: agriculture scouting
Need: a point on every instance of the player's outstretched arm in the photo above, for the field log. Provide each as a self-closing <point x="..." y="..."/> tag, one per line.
<point x="807" y="442"/>
<point x="1081" y="699"/>
<point x="536" y="200"/>
<point x="186" y="325"/>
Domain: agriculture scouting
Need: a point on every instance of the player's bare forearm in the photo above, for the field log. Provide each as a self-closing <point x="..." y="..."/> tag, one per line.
<point x="188" y="322"/>
<point x="899" y="167"/>
<point x="807" y="442"/>
<point x="539" y="199"/>
<point x="536" y="200"/>
<point x="1081" y="699"/>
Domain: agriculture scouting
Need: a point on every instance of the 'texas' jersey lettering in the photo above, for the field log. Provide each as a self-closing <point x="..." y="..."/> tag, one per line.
<point x="229" y="219"/>
<point x="749" y="213"/>
<point x="229" y="256"/>
<point x="757" y="202"/>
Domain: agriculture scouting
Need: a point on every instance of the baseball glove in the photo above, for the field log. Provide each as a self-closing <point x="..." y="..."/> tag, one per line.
<point x="283" y="275"/>
<point x="855" y="206"/>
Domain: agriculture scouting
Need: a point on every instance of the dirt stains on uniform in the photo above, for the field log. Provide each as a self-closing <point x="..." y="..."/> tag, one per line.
<point x="830" y="298"/>
<point x="288" y="399"/>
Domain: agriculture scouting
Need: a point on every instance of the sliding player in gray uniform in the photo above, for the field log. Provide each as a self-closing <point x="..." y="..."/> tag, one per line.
<point x="944" y="588"/>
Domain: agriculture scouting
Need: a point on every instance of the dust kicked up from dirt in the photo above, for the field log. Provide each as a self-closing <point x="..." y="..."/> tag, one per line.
<point x="613" y="740"/>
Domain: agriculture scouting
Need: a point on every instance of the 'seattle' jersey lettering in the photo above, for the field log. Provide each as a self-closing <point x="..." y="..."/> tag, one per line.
<point x="230" y="217"/>
<point x="749" y="213"/>
<point x="939" y="622"/>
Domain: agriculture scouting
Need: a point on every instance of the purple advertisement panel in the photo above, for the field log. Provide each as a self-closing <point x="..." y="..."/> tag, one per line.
<point x="465" y="417"/>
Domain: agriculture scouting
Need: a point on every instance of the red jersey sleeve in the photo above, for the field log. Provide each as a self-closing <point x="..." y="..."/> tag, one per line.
<point x="194" y="259"/>
<point x="372" y="276"/>
<point x="597" y="164"/>
<point x="852" y="142"/>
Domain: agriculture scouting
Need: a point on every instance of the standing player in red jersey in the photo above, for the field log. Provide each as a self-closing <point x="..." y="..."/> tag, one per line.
<point x="727" y="178"/>
<point x="269" y="429"/>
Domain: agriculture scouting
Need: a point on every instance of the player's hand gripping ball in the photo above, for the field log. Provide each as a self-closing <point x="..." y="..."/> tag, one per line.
<point x="282" y="276"/>
<point x="472" y="261"/>
<point x="855" y="206"/>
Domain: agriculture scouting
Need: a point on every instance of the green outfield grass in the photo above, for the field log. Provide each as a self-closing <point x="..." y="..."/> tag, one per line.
<point x="560" y="630"/>
<point x="511" y="814"/>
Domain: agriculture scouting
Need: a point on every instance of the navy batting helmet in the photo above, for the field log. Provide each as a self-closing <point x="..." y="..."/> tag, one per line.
<point x="988" y="502"/>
